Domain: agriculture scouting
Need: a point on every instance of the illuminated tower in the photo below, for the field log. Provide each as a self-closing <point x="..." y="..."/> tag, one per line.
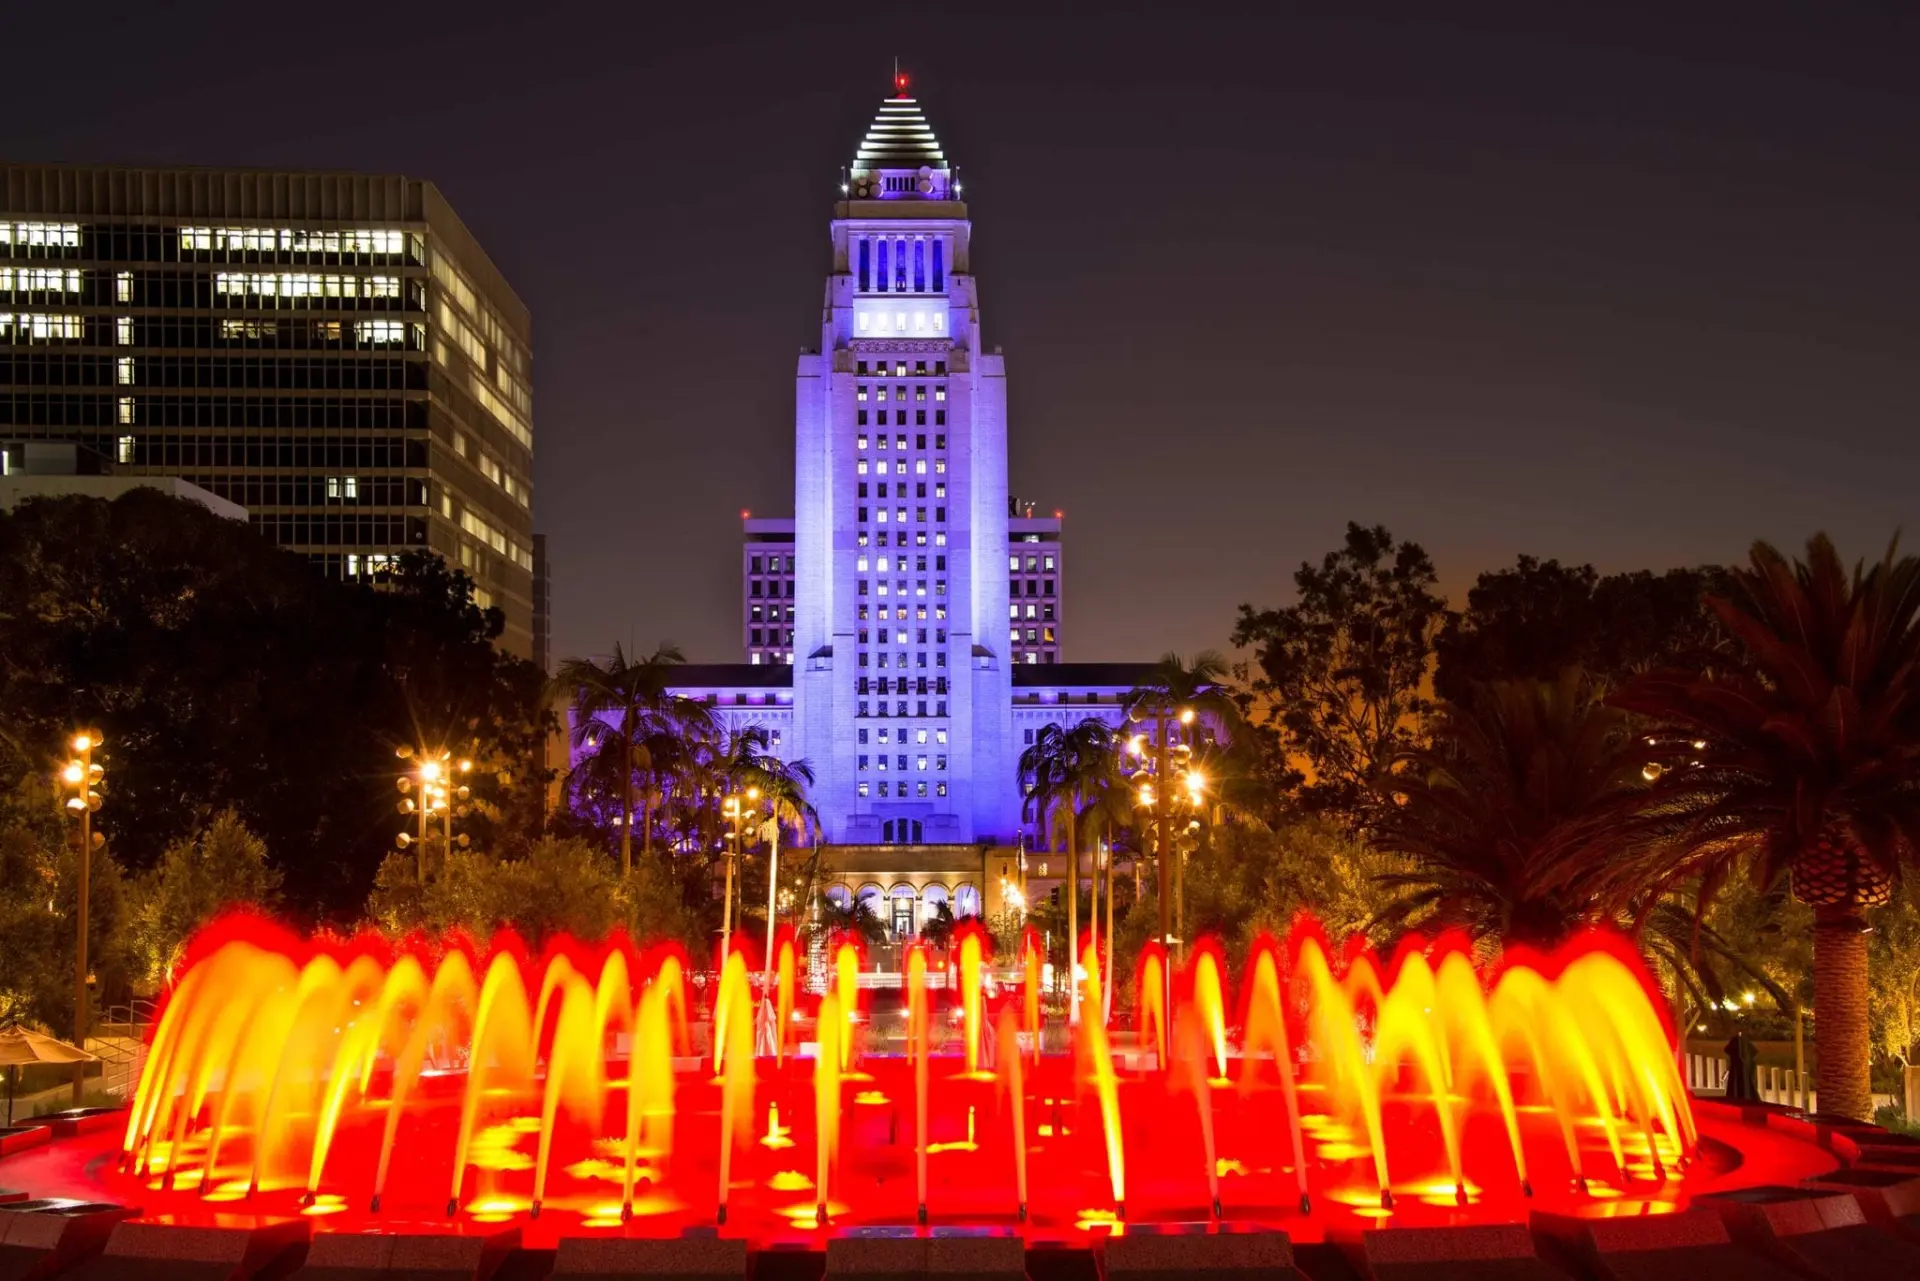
<point x="901" y="683"/>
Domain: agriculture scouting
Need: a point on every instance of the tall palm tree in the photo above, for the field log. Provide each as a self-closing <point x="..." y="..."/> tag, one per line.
<point x="621" y="707"/>
<point x="1803" y="761"/>
<point x="1057" y="773"/>
<point x="1177" y="690"/>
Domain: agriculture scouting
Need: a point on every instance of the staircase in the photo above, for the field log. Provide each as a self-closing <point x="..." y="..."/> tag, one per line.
<point x="120" y="1041"/>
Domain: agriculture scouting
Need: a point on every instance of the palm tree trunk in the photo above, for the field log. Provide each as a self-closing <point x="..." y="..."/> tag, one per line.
<point x="1106" y="982"/>
<point x="626" y="805"/>
<point x="646" y="819"/>
<point x="1073" y="919"/>
<point x="1841" y="1036"/>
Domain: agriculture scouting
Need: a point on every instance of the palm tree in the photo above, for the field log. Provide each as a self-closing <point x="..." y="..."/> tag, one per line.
<point x="625" y="712"/>
<point x="1056" y="774"/>
<point x="1515" y="817"/>
<point x="1804" y="761"/>
<point x="1527" y="819"/>
<point x="1176" y="690"/>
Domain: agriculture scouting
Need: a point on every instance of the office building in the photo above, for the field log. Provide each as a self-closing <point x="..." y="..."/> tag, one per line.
<point x="333" y="352"/>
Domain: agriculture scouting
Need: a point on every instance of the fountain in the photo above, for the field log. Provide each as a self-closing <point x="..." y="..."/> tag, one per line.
<point x="601" y="1088"/>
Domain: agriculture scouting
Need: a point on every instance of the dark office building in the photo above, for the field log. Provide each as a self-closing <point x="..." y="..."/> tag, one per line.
<point x="333" y="352"/>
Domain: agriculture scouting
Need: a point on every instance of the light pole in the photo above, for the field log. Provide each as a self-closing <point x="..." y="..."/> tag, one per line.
<point x="732" y="808"/>
<point x="435" y="776"/>
<point x="773" y="884"/>
<point x="82" y="778"/>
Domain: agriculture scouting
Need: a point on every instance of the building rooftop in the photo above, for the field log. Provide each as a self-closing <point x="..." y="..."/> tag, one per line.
<point x="899" y="138"/>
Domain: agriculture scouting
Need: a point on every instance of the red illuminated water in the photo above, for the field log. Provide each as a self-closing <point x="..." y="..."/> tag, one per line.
<point x="595" y="1086"/>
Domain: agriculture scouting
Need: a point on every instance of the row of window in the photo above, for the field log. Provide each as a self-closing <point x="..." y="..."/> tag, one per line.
<point x="882" y="467"/>
<point x="1034" y="587"/>
<point x="773" y="613"/>
<point x="900" y="515"/>
<point x="328" y="453"/>
<point x="900" y="684"/>
<point x="39" y="235"/>
<point x="879" y="368"/>
<point x="772" y="588"/>
<point x="880" y="393"/>
<point x="313" y="491"/>
<point x="900" y="708"/>
<point x="166" y="244"/>
<point x="919" y="563"/>
<point x="889" y="264"/>
<point x="55" y="409"/>
<point x="1013" y="611"/>
<point x="900" y="789"/>
<point x="900" y="539"/>
<point x="1035" y="657"/>
<point x="787" y="658"/>
<point x="920" y="763"/>
<point x="900" y="420"/>
<point x="358" y="242"/>
<point x="1033" y="563"/>
<point x="880" y="587"/>
<point x="773" y="564"/>
<point x="919" y="735"/>
<point x="216" y="373"/>
<point x="304" y="530"/>
<point x="773" y="636"/>
<point x="1035" y="635"/>
<point x="880" y="441"/>
<point x="900" y="489"/>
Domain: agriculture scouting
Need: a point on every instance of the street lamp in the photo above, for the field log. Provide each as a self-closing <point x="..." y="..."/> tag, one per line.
<point x="81" y="779"/>
<point x="435" y="777"/>
<point x="734" y="808"/>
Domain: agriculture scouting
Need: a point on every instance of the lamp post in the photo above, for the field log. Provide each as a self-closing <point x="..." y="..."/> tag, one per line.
<point x="81" y="777"/>
<point x="773" y="881"/>
<point x="435" y="777"/>
<point x="734" y="808"/>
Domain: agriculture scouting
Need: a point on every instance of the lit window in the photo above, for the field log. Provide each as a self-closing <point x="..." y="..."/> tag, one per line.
<point x="126" y="410"/>
<point x="247" y="329"/>
<point x="123" y="331"/>
<point x="46" y="280"/>
<point x="123" y="371"/>
<point x="343" y="487"/>
<point x="375" y="332"/>
<point x="300" y="284"/>
<point x="41" y="235"/>
<point x="859" y="442"/>
<point x="123" y="450"/>
<point x="40" y="327"/>
<point x="1049" y="564"/>
<point x="123" y="286"/>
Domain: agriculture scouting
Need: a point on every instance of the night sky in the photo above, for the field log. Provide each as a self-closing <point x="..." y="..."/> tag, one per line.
<point x="1624" y="289"/>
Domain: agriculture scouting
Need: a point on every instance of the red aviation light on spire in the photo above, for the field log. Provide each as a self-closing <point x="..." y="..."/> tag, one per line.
<point x="899" y="83"/>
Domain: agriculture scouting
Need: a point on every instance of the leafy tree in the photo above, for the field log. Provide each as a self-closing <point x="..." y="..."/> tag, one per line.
<point x="1802" y="760"/>
<point x="557" y="887"/>
<point x="1338" y="675"/>
<point x="1539" y="618"/>
<point x="196" y="878"/>
<point x="225" y="673"/>
<point x="39" y="894"/>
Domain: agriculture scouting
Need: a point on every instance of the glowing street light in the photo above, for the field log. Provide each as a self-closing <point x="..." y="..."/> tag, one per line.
<point x="735" y="808"/>
<point x="434" y="779"/>
<point x="81" y="778"/>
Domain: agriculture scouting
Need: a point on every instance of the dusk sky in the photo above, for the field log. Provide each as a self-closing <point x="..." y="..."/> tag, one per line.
<point x="1624" y="289"/>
